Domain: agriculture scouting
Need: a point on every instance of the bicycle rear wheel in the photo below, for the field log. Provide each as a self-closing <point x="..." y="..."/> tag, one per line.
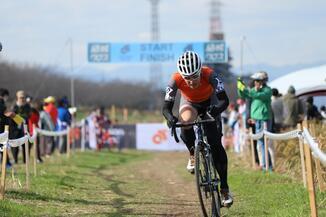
<point x="205" y="188"/>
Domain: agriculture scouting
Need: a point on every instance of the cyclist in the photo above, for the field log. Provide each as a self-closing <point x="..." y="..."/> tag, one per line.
<point x="201" y="91"/>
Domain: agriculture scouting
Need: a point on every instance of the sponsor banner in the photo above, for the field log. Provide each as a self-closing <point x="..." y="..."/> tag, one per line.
<point x="125" y="135"/>
<point x="210" y="51"/>
<point x="155" y="136"/>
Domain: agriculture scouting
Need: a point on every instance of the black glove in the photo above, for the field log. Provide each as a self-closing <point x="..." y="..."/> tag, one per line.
<point x="171" y="120"/>
<point x="213" y="111"/>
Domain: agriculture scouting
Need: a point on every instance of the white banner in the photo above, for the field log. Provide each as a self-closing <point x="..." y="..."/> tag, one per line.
<point x="157" y="137"/>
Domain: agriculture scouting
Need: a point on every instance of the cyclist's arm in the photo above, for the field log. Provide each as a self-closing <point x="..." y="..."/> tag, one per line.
<point x="170" y="94"/>
<point x="222" y="98"/>
<point x="222" y="101"/>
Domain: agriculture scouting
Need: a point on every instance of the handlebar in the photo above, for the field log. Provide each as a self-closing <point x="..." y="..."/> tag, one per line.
<point x="197" y="122"/>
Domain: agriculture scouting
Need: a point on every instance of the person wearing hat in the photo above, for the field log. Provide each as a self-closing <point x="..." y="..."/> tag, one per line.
<point x="260" y="109"/>
<point x="293" y="111"/>
<point x="51" y="109"/>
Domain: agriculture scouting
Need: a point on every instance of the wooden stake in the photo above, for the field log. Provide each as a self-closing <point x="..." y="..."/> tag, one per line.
<point x="26" y="158"/>
<point x="125" y="115"/>
<point x="266" y="148"/>
<point x="113" y="115"/>
<point x="68" y="142"/>
<point x="3" y="169"/>
<point x="310" y="178"/>
<point x="320" y="180"/>
<point x="35" y="150"/>
<point x="303" y="168"/>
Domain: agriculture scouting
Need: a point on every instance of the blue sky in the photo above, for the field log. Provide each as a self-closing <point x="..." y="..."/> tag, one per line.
<point x="278" y="33"/>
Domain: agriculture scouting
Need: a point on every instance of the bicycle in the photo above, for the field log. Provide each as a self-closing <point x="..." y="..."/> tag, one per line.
<point x="207" y="180"/>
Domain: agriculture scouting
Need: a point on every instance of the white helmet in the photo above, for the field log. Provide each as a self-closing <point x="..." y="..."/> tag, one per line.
<point x="261" y="75"/>
<point x="189" y="64"/>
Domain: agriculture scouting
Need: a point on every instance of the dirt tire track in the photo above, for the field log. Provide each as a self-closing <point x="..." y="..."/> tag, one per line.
<point x="165" y="178"/>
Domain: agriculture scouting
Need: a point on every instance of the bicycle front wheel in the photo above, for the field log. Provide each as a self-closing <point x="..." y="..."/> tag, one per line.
<point x="204" y="182"/>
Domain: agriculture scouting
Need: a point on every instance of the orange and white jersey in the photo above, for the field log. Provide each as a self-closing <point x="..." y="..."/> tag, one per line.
<point x="209" y="84"/>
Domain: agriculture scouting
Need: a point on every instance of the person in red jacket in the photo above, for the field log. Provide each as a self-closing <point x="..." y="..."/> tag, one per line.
<point x="33" y="120"/>
<point x="49" y="107"/>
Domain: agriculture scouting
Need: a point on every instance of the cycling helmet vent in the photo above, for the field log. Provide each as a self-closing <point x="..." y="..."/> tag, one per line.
<point x="189" y="64"/>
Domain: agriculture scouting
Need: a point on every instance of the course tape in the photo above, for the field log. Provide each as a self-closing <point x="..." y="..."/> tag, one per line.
<point x="314" y="146"/>
<point x="20" y="141"/>
<point x="317" y="153"/>
<point x="283" y="136"/>
<point x="3" y="137"/>
<point x="51" y="133"/>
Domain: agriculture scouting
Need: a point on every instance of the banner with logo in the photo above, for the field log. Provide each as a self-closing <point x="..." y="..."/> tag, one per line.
<point x="105" y="52"/>
<point x="154" y="136"/>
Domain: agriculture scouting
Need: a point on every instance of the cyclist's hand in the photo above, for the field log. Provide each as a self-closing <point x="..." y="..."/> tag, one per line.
<point x="171" y="121"/>
<point x="213" y="110"/>
<point x="240" y="84"/>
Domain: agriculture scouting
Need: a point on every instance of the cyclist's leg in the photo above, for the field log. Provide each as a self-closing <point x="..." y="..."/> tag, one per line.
<point x="187" y="113"/>
<point x="214" y="137"/>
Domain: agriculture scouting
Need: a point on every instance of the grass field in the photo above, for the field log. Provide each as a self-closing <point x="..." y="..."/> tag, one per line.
<point x="129" y="183"/>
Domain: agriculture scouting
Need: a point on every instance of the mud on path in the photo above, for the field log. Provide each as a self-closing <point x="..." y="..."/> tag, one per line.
<point x="160" y="186"/>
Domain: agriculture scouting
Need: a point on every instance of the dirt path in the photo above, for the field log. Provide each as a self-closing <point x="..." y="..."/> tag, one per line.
<point x="160" y="187"/>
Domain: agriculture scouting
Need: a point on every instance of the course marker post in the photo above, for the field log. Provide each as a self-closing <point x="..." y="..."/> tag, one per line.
<point x="303" y="167"/>
<point x="320" y="180"/>
<point x="26" y="158"/>
<point x="266" y="148"/>
<point x="310" y="178"/>
<point x="3" y="168"/>
<point x="35" y="150"/>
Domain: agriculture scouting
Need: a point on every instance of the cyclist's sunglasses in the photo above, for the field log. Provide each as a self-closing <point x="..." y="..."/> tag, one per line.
<point x="192" y="77"/>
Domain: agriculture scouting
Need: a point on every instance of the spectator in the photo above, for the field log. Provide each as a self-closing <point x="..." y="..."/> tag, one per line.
<point x="4" y="117"/>
<point x="64" y="120"/>
<point x="250" y="123"/>
<point x="46" y="123"/>
<point x="233" y="115"/>
<point x="277" y="110"/>
<point x="101" y="120"/>
<point x="242" y="122"/>
<point x="91" y="130"/>
<point x="34" y="119"/>
<point x="260" y="96"/>
<point x="312" y="112"/>
<point x="292" y="109"/>
<point x="51" y="109"/>
<point x="23" y="109"/>
<point x="323" y="111"/>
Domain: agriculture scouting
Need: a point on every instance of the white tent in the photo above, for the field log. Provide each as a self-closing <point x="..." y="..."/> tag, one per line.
<point x="310" y="81"/>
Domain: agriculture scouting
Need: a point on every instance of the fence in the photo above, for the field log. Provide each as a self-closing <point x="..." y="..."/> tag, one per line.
<point x="7" y="143"/>
<point x="308" y="147"/>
